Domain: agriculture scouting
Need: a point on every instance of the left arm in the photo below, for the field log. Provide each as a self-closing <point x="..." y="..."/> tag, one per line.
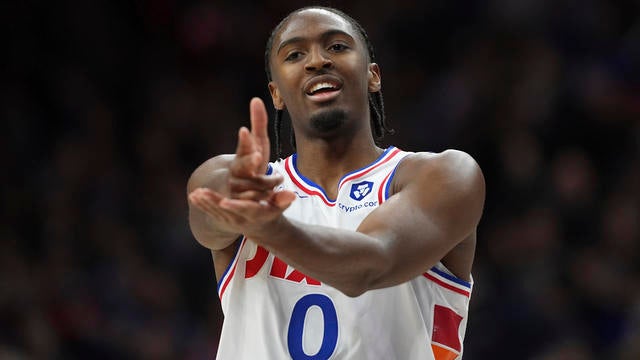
<point x="437" y="203"/>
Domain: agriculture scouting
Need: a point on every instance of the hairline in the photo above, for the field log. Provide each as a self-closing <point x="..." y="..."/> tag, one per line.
<point x="355" y="27"/>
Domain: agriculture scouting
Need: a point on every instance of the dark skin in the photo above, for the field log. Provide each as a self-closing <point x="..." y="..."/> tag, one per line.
<point x="436" y="201"/>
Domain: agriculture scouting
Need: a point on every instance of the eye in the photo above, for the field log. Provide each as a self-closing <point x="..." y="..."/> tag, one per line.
<point x="338" y="47"/>
<point x="292" y="56"/>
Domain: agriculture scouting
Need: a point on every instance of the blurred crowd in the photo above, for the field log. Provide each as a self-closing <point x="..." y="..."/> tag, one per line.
<point x="107" y="107"/>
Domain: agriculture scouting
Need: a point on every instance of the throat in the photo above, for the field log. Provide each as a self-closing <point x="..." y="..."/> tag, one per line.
<point x="326" y="168"/>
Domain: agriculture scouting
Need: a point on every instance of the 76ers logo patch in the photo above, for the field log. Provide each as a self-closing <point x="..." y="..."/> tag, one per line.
<point x="360" y="190"/>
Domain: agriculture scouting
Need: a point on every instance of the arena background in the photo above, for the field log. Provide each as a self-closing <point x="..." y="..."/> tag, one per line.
<point x="107" y="107"/>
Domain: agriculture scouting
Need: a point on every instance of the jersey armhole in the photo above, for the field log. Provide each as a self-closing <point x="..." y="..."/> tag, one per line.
<point x="225" y="274"/>
<point x="443" y="271"/>
<point x="385" y="187"/>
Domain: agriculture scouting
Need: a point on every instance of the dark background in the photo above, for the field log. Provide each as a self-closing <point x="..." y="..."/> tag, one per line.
<point x="107" y="107"/>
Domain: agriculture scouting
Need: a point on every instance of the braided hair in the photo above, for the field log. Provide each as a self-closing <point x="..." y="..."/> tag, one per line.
<point x="379" y="126"/>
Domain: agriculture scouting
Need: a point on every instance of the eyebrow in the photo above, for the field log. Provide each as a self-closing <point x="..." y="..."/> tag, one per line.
<point x="325" y="35"/>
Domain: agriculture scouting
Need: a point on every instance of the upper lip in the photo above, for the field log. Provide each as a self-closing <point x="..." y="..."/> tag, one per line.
<point x="336" y="82"/>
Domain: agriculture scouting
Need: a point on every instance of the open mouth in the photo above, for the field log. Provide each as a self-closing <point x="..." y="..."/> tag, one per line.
<point x="323" y="89"/>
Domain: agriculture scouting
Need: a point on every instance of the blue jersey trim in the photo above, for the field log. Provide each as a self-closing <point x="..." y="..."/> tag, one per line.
<point x="226" y="271"/>
<point x="387" y="185"/>
<point x="384" y="153"/>
<point x="294" y="162"/>
<point x="451" y="277"/>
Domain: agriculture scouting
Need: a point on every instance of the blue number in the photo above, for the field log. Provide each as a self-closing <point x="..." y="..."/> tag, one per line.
<point x="296" y="325"/>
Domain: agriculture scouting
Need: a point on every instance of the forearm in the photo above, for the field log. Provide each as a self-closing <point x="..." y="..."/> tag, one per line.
<point x="350" y="261"/>
<point x="214" y="175"/>
<point x="224" y="178"/>
<point x="207" y="233"/>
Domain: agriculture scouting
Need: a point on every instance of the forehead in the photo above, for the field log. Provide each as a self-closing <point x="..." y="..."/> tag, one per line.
<point x="312" y="22"/>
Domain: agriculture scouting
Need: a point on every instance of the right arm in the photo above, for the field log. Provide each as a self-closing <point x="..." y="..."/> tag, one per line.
<point x="212" y="174"/>
<point x="235" y="176"/>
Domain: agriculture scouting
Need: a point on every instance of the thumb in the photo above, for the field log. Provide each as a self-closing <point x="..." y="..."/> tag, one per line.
<point x="282" y="199"/>
<point x="246" y="144"/>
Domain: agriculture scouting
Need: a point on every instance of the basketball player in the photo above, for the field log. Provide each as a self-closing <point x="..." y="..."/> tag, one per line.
<point x="344" y="250"/>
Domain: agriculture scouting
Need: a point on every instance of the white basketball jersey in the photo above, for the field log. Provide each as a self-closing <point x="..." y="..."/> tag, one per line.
<point x="275" y="312"/>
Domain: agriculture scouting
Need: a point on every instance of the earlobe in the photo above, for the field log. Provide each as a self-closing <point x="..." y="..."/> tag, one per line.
<point x="278" y="103"/>
<point x="375" y="83"/>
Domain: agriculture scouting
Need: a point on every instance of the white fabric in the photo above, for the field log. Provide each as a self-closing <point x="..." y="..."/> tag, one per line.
<point x="391" y="323"/>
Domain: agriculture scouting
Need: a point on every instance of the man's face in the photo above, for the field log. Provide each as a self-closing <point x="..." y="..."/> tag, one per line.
<point x="321" y="73"/>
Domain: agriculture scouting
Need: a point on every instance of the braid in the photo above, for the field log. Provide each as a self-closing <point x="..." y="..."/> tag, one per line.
<point x="277" y="125"/>
<point x="379" y="126"/>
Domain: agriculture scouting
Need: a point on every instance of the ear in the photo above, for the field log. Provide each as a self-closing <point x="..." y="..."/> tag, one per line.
<point x="375" y="83"/>
<point x="278" y="103"/>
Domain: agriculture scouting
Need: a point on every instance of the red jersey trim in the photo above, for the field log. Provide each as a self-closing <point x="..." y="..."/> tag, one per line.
<point x="227" y="280"/>
<point x="315" y="190"/>
<point x="446" y="285"/>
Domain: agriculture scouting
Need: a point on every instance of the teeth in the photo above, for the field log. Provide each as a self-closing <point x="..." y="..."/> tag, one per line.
<point x="320" y="86"/>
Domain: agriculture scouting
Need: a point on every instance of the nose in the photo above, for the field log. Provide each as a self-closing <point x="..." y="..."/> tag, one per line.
<point x="317" y="60"/>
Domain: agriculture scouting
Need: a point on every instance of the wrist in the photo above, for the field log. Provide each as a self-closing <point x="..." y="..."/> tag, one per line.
<point x="271" y="233"/>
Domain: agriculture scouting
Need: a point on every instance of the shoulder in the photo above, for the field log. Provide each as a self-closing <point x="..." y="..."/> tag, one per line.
<point x="454" y="163"/>
<point x="450" y="169"/>
<point x="203" y="174"/>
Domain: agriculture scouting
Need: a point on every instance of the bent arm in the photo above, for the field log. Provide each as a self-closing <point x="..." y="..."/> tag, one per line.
<point x="212" y="174"/>
<point x="238" y="176"/>
<point x="437" y="203"/>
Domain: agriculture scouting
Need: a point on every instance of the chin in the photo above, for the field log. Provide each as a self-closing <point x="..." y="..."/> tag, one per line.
<point x="325" y="121"/>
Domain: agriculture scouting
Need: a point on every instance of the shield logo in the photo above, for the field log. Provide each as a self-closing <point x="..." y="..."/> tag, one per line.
<point x="360" y="190"/>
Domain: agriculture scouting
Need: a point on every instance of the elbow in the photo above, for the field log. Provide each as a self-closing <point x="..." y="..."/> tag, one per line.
<point x="208" y="237"/>
<point x="202" y="241"/>
<point x="358" y="288"/>
<point x="374" y="272"/>
<point x="213" y="241"/>
<point x="370" y="279"/>
<point x="354" y="284"/>
<point x="353" y="292"/>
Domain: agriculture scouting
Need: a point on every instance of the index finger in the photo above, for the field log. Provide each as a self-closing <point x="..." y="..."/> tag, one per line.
<point x="259" y="119"/>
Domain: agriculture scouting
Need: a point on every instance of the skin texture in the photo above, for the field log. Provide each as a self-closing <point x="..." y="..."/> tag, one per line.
<point x="436" y="201"/>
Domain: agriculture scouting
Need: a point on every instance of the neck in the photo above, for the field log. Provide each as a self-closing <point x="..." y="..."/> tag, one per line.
<point x="325" y="162"/>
